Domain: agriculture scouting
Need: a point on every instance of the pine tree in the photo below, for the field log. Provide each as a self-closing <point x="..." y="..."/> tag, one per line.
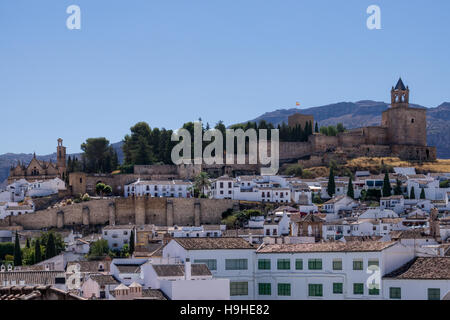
<point x="422" y="194"/>
<point x="412" y="194"/>
<point x="17" y="252"/>
<point x="386" y="186"/>
<point x="350" y="191"/>
<point x="131" y="249"/>
<point x="316" y="129"/>
<point x="50" y="248"/>
<point x="331" y="188"/>
<point x="37" y="251"/>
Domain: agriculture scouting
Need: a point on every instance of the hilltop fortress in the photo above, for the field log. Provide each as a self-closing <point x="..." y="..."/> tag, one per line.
<point x="402" y="133"/>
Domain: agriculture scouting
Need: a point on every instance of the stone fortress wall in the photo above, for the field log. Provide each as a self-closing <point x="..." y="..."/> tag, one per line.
<point x="139" y="210"/>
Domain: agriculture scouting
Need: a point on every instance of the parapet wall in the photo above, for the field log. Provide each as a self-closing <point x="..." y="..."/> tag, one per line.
<point x="140" y="210"/>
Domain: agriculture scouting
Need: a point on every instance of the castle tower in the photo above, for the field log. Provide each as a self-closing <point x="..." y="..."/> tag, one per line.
<point x="404" y="125"/>
<point x="61" y="157"/>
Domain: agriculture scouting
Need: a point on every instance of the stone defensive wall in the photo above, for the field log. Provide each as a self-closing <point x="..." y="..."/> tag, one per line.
<point x="139" y="210"/>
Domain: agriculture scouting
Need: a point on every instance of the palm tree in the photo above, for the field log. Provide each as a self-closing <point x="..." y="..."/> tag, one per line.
<point x="201" y="182"/>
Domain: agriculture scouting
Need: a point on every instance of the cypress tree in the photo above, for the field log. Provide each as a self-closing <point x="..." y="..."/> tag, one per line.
<point x="37" y="251"/>
<point x="422" y="194"/>
<point x="386" y="186"/>
<point x="350" y="191"/>
<point x="17" y="252"/>
<point x="316" y="129"/>
<point x="412" y="194"/>
<point x="50" y="248"/>
<point x="331" y="188"/>
<point x="131" y="250"/>
<point x="398" y="188"/>
<point x="28" y="243"/>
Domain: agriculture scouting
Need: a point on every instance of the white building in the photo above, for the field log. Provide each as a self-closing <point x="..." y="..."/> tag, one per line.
<point x="229" y="258"/>
<point x="185" y="281"/>
<point x="328" y="271"/>
<point x="171" y="189"/>
<point x="127" y="271"/>
<point x="195" y="232"/>
<point x="333" y="206"/>
<point x="394" y="203"/>
<point x="118" y="235"/>
<point x="15" y="209"/>
<point x="422" y="278"/>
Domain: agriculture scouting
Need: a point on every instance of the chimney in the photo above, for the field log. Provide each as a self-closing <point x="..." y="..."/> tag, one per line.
<point x="187" y="269"/>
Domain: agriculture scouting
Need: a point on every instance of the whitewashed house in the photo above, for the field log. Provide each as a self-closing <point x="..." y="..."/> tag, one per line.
<point x="394" y="203"/>
<point x="118" y="235"/>
<point x="422" y="278"/>
<point x="336" y="204"/>
<point x="326" y="271"/>
<point x="127" y="271"/>
<point x="151" y="188"/>
<point x="229" y="258"/>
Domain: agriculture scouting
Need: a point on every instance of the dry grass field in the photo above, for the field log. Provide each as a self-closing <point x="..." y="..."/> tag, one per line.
<point x="376" y="165"/>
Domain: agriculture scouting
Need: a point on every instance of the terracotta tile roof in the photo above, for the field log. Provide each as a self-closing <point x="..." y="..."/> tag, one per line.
<point x="35" y="293"/>
<point x="243" y="232"/>
<point x="213" y="243"/>
<point x="423" y="268"/>
<point x="410" y="234"/>
<point x="31" y="277"/>
<point x="352" y="246"/>
<point x="312" y="218"/>
<point x="104" y="279"/>
<point x="120" y="227"/>
<point x="177" y="270"/>
<point x="129" y="268"/>
<point x="91" y="266"/>
<point x="362" y="238"/>
<point x="153" y="294"/>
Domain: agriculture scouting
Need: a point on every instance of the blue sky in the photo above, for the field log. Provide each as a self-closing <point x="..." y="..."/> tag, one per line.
<point x="171" y="61"/>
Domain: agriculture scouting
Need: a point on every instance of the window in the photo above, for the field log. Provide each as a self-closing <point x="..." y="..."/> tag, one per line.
<point x="337" y="264"/>
<point x="299" y="264"/>
<point x="284" y="289"/>
<point x="395" y="293"/>
<point x="315" y="290"/>
<point x="315" y="264"/>
<point x="374" y="262"/>
<point x="358" y="265"/>
<point x="264" y="289"/>
<point x="434" y="294"/>
<point x="210" y="263"/>
<point x="338" y="288"/>
<point x="238" y="288"/>
<point x="374" y="291"/>
<point x="236" y="264"/>
<point x="358" y="288"/>
<point x="264" y="264"/>
<point x="284" y="264"/>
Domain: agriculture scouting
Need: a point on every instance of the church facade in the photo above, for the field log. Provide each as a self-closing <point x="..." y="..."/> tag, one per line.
<point x="38" y="170"/>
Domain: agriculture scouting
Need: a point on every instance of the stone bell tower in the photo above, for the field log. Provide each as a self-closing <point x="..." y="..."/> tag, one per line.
<point x="400" y="95"/>
<point x="61" y="157"/>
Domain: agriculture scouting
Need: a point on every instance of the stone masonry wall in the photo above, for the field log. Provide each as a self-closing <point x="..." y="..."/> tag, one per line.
<point x="140" y="210"/>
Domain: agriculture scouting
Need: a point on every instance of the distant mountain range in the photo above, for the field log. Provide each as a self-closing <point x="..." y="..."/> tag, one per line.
<point x="351" y="114"/>
<point x="368" y="113"/>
